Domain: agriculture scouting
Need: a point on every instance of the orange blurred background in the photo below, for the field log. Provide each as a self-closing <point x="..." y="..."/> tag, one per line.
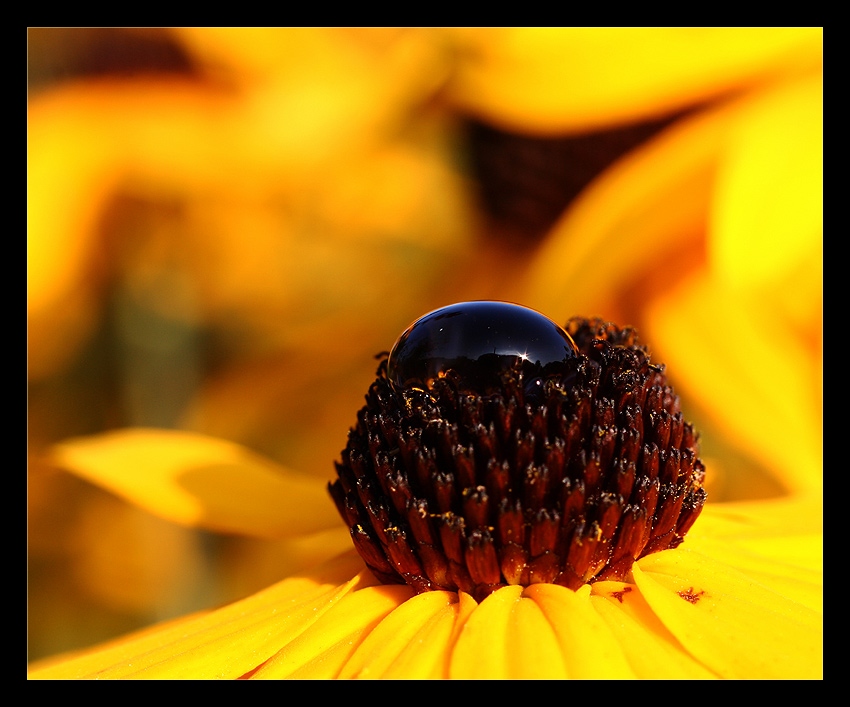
<point x="225" y="226"/>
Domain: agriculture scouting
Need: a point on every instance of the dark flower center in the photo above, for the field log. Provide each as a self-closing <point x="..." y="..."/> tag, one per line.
<point x="566" y="471"/>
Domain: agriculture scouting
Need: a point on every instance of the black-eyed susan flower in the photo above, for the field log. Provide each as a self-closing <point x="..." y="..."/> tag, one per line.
<point x="519" y="495"/>
<point x="669" y="239"/>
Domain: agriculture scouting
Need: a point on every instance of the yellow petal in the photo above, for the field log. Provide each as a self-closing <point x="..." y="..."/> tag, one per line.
<point x="653" y="200"/>
<point x="651" y="650"/>
<point x="200" y="481"/>
<point x="779" y="543"/>
<point x="768" y="212"/>
<point x="766" y="240"/>
<point x="550" y="79"/>
<point x="796" y="583"/>
<point x="724" y="354"/>
<point x="414" y="641"/>
<point x="748" y="520"/>
<point x="589" y="649"/>
<point x="507" y="636"/>
<point x="63" y="206"/>
<point x="322" y="650"/>
<point x="622" y="239"/>
<point x="544" y="631"/>
<point x="226" y="643"/>
<point x="732" y="624"/>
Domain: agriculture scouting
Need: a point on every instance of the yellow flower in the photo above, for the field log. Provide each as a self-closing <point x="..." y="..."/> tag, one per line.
<point x="718" y="224"/>
<point x="741" y="598"/>
<point x="708" y="239"/>
<point x="561" y="80"/>
<point x="309" y="139"/>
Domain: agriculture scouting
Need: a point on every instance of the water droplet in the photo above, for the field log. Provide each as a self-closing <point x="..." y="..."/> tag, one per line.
<point x="476" y="343"/>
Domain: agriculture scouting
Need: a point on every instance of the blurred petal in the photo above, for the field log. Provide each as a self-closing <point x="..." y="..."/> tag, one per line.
<point x="322" y="162"/>
<point x="62" y="210"/>
<point x="226" y="643"/>
<point x="373" y="74"/>
<point x="556" y="79"/>
<point x="765" y="280"/>
<point x="759" y="388"/>
<point x="200" y="481"/>
<point x="637" y="239"/>
<point x="83" y="141"/>
<point x="768" y="213"/>
<point x="654" y="200"/>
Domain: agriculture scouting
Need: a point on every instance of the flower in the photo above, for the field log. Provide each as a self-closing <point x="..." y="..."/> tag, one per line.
<point x="679" y="232"/>
<point x="741" y="598"/>
<point x="733" y="604"/>
<point x="746" y="219"/>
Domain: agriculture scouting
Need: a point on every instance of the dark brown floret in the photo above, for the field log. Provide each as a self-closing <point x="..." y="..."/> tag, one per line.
<point x="454" y="490"/>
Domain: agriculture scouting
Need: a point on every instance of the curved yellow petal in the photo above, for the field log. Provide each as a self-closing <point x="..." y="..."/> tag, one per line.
<point x="507" y="636"/>
<point x="549" y="79"/>
<point x="413" y="642"/>
<point x="589" y="649"/>
<point x="200" y="481"/>
<point x="754" y="381"/>
<point x="651" y="650"/>
<point x="323" y="649"/>
<point x="743" y="521"/>
<point x="764" y="284"/>
<point x="655" y="199"/>
<point x="542" y="631"/>
<point x="623" y="240"/>
<point x="731" y="623"/>
<point x="768" y="214"/>
<point x="226" y="643"/>
<point x="778" y="542"/>
<point x="793" y="581"/>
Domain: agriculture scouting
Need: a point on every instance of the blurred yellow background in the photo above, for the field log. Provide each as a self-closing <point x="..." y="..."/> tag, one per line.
<point x="225" y="226"/>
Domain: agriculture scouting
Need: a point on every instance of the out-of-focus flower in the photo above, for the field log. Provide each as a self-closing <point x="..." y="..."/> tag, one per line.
<point x="708" y="237"/>
<point x="556" y="80"/>
<point x="736" y="192"/>
<point x="338" y="152"/>
<point x="297" y="160"/>
<point x="740" y="599"/>
<point x="195" y="237"/>
<point x="247" y="233"/>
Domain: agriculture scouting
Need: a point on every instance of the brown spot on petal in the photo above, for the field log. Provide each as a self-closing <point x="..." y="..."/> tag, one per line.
<point x="620" y="594"/>
<point x="691" y="595"/>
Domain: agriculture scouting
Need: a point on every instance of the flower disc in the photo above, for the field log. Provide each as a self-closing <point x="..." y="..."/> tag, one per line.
<point x="459" y="475"/>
